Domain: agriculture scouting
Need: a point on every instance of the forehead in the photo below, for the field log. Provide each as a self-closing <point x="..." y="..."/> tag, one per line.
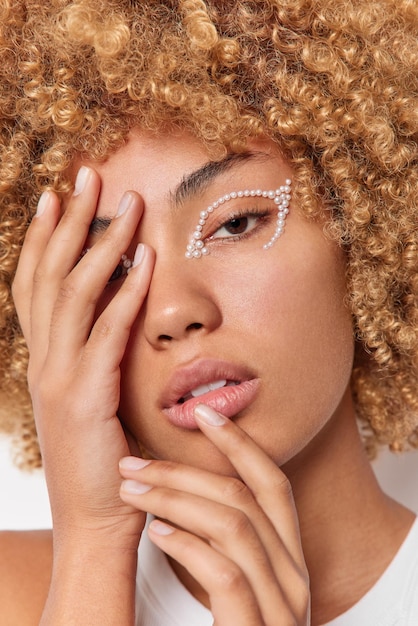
<point x="162" y="166"/>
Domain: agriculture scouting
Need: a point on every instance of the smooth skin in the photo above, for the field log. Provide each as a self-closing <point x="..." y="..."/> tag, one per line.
<point x="230" y="526"/>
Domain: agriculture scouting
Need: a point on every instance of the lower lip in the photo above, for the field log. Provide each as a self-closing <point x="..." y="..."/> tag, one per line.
<point x="228" y="400"/>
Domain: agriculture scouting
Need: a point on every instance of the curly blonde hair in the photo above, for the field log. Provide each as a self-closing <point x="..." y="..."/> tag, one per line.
<point x="333" y="82"/>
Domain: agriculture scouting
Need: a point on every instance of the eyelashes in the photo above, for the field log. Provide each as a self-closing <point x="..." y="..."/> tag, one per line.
<point x="281" y="197"/>
<point x="239" y="225"/>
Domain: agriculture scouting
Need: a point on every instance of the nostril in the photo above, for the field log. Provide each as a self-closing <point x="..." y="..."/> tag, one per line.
<point x="164" y="337"/>
<point x="194" y="326"/>
<point x="167" y="338"/>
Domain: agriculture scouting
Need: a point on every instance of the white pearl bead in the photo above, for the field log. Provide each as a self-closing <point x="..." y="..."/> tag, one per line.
<point x="281" y="197"/>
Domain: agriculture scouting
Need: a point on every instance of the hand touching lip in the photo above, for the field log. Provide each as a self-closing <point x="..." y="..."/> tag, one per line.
<point x="226" y="387"/>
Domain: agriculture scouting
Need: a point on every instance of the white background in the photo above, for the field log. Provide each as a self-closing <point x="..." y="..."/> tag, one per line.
<point x="24" y="497"/>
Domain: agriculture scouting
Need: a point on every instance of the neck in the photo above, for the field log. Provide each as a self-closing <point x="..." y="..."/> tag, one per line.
<point x="350" y="529"/>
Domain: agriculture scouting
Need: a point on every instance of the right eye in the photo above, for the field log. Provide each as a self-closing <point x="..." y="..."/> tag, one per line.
<point x="118" y="273"/>
<point x="121" y="269"/>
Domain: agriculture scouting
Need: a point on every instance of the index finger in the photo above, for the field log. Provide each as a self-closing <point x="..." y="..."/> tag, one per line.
<point x="269" y="485"/>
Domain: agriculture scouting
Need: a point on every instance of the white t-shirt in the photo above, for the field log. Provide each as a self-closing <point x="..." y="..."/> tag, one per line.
<point x="163" y="601"/>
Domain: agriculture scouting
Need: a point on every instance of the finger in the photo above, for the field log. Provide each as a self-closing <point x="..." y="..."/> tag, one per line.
<point x="231" y="596"/>
<point x="213" y="487"/>
<point x="37" y="237"/>
<point x="267" y="482"/>
<point x="110" y="333"/>
<point x="60" y="256"/>
<point x="80" y="292"/>
<point x="229" y="531"/>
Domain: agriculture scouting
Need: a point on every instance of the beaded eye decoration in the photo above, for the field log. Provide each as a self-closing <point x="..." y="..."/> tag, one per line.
<point x="281" y="197"/>
<point x="120" y="270"/>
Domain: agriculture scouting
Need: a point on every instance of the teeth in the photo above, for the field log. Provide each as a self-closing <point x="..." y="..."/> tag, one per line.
<point x="199" y="391"/>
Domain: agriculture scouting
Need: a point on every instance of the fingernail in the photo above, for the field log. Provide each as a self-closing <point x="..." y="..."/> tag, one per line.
<point x="133" y="463"/>
<point x="139" y="254"/>
<point x="134" y="487"/>
<point x="125" y="203"/>
<point x="209" y="416"/>
<point x="43" y="203"/>
<point x="83" y="176"/>
<point x="160" y="528"/>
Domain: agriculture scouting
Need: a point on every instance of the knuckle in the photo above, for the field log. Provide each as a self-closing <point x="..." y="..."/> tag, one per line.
<point x="283" y="486"/>
<point x="43" y="388"/>
<point x="186" y="545"/>
<point x="236" y="491"/>
<point x="230" y="579"/>
<point x="104" y="328"/>
<point x="167" y="470"/>
<point x="235" y="524"/>
<point x="67" y="291"/>
<point x="303" y="592"/>
<point x="166" y="501"/>
<point x="39" y="275"/>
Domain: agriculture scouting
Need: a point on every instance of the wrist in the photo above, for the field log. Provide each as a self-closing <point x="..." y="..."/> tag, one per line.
<point x="92" y="583"/>
<point x="119" y="534"/>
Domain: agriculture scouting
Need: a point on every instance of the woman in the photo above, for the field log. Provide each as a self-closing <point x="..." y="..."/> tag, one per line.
<point x="218" y="280"/>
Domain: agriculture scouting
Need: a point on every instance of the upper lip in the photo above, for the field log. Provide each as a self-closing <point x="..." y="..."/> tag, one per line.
<point x="201" y="372"/>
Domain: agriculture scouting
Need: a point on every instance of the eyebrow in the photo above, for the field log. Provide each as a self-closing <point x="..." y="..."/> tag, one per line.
<point x="200" y="179"/>
<point x="193" y="183"/>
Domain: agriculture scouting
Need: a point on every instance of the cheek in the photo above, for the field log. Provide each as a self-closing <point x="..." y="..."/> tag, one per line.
<point x="294" y="322"/>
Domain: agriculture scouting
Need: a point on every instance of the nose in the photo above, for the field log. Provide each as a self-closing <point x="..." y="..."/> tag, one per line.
<point x="180" y="305"/>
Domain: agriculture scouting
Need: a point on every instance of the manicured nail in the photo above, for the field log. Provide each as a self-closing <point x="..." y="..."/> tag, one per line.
<point x="134" y="487"/>
<point x="209" y="416"/>
<point x="43" y="203"/>
<point x="160" y="528"/>
<point x="139" y="255"/>
<point x="133" y="463"/>
<point x="81" y="181"/>
<point x="126" y="201"/>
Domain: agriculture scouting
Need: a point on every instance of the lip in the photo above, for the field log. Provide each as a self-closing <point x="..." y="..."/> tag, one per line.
<point x="228" y="400"/>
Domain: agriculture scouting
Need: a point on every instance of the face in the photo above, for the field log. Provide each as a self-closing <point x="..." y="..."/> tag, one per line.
<point x="262" y="334"/>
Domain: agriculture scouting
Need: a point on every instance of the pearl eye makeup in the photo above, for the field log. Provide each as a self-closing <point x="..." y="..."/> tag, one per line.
<point x="281" y="197"/>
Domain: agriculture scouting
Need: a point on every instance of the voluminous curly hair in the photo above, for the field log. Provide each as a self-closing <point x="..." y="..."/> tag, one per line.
<point x="333" y="82"/>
